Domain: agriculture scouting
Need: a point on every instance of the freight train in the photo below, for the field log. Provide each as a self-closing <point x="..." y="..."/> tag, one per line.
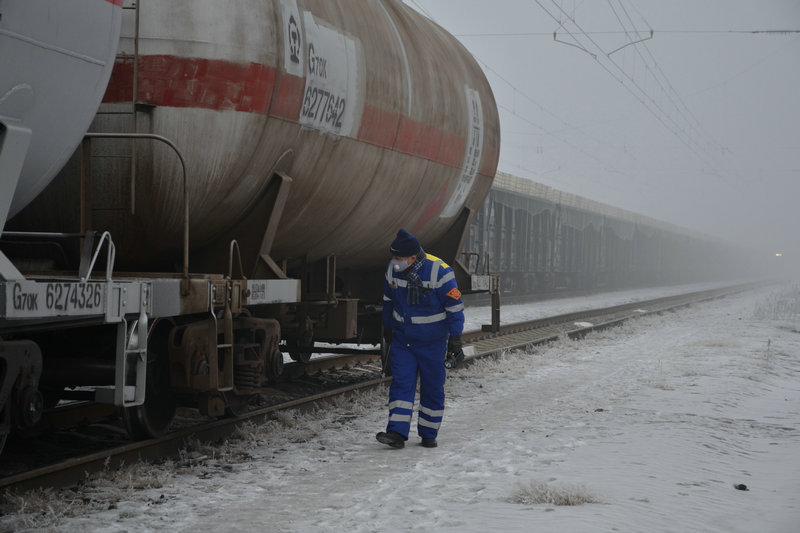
<point x="537" y="239"/>
<point x="190" y="188"/>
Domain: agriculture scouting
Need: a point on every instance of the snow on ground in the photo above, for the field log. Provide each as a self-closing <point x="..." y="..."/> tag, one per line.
<point x="477" y="316"/>
<point x="646" y="427"/>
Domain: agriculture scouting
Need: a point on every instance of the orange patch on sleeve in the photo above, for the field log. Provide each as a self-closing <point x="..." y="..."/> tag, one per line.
<point x="454" y="293"/>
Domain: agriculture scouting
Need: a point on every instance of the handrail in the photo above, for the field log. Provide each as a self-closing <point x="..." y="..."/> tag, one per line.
<point x="41" y="234"/>
<point x="112" y="254"/>
<point x="84" y="272"/>
<point x="468" y="257"/>
<point x="185" y="186"/>
<point x="235" y="246"/>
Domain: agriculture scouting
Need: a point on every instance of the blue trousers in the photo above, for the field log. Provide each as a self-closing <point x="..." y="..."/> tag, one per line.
<point x="409" y="361"/>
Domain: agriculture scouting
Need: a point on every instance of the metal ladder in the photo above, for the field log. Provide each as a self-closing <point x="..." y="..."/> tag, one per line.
<point x="118" y="117"/>
<point x="131" y="354"/>
<point x="131" y="339"/>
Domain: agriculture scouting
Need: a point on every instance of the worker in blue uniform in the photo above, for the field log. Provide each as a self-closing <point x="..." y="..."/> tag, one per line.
<point x="423" y="317"/>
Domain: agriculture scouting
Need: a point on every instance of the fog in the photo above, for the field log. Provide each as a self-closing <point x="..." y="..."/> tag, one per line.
<point x="697" y="125"/>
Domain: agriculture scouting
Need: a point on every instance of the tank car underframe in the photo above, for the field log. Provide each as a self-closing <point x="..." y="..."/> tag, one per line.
<point x="139" y="315"/>
<point x="21" y="403"/>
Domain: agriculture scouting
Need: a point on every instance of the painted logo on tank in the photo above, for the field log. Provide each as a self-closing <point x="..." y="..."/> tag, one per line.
<point x="293" y="40"/>
<point x="293" y="37"/>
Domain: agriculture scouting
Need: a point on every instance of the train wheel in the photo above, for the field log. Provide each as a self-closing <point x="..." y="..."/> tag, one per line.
<point x="300" y="347"/>
<point x="153" y="417"/>
<point x="275" y="365"/>
<point x="300" y="350"/>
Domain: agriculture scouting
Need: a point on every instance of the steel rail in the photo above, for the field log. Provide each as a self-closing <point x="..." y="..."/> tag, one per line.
<point x="511" y="337"/>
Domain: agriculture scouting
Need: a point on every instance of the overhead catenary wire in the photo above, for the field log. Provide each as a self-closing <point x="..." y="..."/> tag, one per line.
<point x="530" y="122"/>
<point x="604" y="163"/>
<point x="618" y="32"/>
<point x="669" y="90"/>
<point x="671" y="112"/>
<point x="620" y="75"/>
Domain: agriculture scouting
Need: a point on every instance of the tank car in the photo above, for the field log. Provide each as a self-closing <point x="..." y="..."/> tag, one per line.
<point x="247" y="169"/>
<point x="55" y="62"/>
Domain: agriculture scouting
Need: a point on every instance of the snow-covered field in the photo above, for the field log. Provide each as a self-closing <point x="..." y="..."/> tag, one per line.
<point x="646" y="427"/>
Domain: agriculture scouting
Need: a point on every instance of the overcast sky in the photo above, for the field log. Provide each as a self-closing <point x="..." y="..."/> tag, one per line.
<point x="698" y="125"/>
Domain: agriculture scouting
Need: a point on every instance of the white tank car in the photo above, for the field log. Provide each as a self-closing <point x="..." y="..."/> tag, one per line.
<point x="55" y="61"/>
<point x="56" y="58"/>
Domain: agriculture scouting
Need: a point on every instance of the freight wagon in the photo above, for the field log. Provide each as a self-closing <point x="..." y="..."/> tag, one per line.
<point x="541" y="240"/>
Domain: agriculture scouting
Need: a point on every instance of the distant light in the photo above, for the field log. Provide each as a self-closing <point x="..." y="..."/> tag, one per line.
<point x="779" y="255"/>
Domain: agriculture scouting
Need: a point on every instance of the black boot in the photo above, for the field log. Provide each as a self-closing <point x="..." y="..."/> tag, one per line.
<point x="392" y="438"/>
<point x="429" y="443"/>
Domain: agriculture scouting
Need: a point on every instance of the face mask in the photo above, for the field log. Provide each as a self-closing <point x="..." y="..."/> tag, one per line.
<point x="398" y="265"/>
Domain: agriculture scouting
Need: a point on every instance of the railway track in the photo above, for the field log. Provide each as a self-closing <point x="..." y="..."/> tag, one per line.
<point x="81" y="447"/>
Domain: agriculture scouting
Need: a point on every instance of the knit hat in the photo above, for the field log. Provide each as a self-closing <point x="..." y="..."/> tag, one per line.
<point x="405" y="245"/>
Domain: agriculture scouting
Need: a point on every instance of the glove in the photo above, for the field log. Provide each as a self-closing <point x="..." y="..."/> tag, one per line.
<point x="454" y="344"/>
<point x="387" y="336"/>
<point x="455" y="353"/>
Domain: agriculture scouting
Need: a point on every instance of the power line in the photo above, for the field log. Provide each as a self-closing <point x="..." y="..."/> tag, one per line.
<point x="666" y="86"/>
<point x="548" y="34"/>
<point x="602" y="58"/>
<point x="544" y="130"/>
<point x="683" y="104"/>
<point x="604" y="163"/>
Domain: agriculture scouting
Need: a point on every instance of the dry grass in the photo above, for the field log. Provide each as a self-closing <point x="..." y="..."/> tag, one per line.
<point x="44" y="509"/>
<point x="780" y="305"/>
<point x="538" y="492"/>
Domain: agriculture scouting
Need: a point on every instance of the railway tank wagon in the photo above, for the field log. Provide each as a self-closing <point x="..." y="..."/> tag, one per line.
<point x="44" y="111"/>
<point x="51" y="83"/>
<point x="251" y="160"/>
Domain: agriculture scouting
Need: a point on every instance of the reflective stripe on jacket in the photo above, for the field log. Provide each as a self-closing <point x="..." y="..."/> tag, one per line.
<point x="437" y="316"/>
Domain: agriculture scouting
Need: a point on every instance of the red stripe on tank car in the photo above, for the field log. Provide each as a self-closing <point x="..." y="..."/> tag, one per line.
<point x="115" y="2"/>
<point x="416" y="138"/>
<point x="378" y="126"/>
<point x="389" y="129"/>
<point x="205" y="83"/>
<point x="288" y="97"/>
<point x="165" y="80"/>
<point x="120" y="85"/>
<point x="194" y="82"/>
<point x="451" y="150"/>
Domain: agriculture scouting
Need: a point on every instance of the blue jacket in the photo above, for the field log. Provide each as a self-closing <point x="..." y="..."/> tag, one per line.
<point x="440" y="312"/>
